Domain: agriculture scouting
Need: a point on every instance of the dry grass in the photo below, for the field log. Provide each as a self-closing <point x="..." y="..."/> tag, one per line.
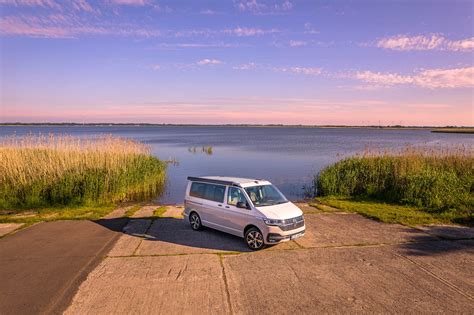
<point x="40" y="171"/>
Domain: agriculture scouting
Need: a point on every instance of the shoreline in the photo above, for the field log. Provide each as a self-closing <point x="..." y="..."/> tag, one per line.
<point x="434" y="129"/>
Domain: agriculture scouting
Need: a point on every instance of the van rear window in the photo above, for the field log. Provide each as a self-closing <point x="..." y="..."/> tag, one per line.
<point x="207" y="191"/>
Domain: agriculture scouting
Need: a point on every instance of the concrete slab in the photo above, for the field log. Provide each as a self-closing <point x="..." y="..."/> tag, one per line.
<point x="134" y="233"/>
<point x="174" y="211"/>
<point x="449" y="231"/>
<point x="154" y="285"/>
<point x="118" y="213"/>
<point x="451" y="261"/>
<point x="6" y="228"/>
<point x="336" y="280"/>
<point x="334" y="229"/>
<point x="168" y="236"/>
<point x="171" y="236"/>
<point x="145" y="211"/>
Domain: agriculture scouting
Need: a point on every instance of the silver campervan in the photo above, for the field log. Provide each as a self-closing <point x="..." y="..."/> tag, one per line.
<point x="250" y="208"/>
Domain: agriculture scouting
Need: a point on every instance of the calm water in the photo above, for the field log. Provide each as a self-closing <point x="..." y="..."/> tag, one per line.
<point x="288" y="157"/>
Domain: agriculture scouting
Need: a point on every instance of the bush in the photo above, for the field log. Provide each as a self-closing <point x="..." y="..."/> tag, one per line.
<point x="435" y="179"/>
<point x="39" y="171"/>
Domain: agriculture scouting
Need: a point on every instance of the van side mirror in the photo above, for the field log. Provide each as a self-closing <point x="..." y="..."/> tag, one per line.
<point x="243" y="205"/>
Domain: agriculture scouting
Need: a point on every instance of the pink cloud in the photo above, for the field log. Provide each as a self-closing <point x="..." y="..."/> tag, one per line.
<point x="246" y="66"/>
<point x="131" y="2"/>
<point x="65" y="26"/>
<point x="258" y="7"/>
<point x="429" y="78"/>
<point x="420" y="42"/>
<point x="32" y="3"/>
<point x="205" y="62"/>
<point x="246" y="31"/>
<point x="299" y="70"/>
<point x="297" y="43"/>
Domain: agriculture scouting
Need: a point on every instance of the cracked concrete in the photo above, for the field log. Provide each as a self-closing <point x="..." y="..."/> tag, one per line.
<point x="344" y="264"/>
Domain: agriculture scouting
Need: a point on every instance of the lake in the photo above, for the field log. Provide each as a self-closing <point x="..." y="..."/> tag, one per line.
<point x="288" y="157"/>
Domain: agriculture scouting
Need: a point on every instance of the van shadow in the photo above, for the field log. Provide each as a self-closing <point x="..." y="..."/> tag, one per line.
<point x="175" y="235"/>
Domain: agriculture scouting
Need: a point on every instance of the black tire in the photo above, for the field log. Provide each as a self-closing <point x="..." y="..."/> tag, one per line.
<point x="254" y="239"/>
<point x="195" y="221"/>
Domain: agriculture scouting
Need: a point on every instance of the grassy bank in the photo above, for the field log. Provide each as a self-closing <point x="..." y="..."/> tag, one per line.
<point x="438" y="182"/>
<point x="53" y="171"/>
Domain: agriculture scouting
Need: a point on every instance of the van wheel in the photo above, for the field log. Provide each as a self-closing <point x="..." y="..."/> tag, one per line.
<point x="254" y="239"/>
<point x="195" y="221"/>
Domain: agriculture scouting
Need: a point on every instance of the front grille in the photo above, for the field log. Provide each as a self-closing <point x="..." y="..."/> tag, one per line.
<point x="292" y="224"/>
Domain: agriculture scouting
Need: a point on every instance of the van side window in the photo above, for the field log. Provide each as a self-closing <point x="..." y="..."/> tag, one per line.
<point x="197" y="190"/>
<point x="207" y="191"/>
<point x="214" y="192"/>
<point x="234" y="196"/>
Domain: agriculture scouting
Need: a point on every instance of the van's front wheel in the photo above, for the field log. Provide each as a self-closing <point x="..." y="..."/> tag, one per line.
<point x="254" y="239"/>
<point x="195" y="221"/>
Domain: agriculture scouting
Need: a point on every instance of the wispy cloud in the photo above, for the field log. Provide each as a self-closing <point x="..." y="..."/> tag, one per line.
<point x="67" y="26"/>
<point x="205" y="62"/>
<point x="70" y="25"/>
<point x="76" y="5"/>
<point x="82" y="5"/>
<point x="297" y="43"/>
<point x="258" y="7"/>
<point x="155" y="67"/>
<point x="192" y="45"/>
<point x="291" y="70"/>
<point x="32" y="3"/>
<point x="309" y="29"/>
<point x="248" y="31"/>
<point x="429" y="78"/>
<point x="247" y="66"/>
<point x="208" y="12"/>
<point x="299" y="70"/>
<point x="421" y="42"/>
<point x="139" y="3"/>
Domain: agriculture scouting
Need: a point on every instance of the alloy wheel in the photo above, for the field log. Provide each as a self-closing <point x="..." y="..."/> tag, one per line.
<point x="254" y="239"/>
<point x="195" y="221"/>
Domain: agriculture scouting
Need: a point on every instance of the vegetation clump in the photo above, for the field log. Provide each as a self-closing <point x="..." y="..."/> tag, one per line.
<point x="436" y="180"/>
<point x="59" y="170"/>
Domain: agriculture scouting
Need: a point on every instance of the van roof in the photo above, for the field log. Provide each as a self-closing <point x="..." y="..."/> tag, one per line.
<point x="235" y="181"/>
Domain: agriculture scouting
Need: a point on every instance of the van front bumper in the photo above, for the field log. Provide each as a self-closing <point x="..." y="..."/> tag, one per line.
<point x="275" y="238"/>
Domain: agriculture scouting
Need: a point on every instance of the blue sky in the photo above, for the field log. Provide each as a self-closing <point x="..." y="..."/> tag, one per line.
<point x="294" y="62"/>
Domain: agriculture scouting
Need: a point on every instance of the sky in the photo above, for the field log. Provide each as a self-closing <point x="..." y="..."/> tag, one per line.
<point x="232" y="62"/>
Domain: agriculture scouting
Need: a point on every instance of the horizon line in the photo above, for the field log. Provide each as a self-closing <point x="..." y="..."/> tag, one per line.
<point x="223" y="125"/>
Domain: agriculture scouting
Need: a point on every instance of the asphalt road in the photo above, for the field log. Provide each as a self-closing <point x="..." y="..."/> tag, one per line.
<point x="42" y="266"/>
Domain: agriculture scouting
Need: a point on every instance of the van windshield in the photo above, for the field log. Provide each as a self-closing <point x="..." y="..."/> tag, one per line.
<point x="265" y="195"/>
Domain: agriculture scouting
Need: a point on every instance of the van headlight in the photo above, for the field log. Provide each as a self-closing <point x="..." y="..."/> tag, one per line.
<point x="273" y="222"/>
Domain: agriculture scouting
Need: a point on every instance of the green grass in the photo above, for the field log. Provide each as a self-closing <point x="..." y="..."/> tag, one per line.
<point x="438" y="183"/>
<point x="61" y="171"/>
<point x="54" y="214"/>
<point x="159" y="211"/>
<point x="132" y="210"/>
<point x="393" y="213"/>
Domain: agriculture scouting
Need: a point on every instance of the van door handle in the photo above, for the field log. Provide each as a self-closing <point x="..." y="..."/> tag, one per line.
<point x="219" y="205"/>
<point x="227" y="207"/>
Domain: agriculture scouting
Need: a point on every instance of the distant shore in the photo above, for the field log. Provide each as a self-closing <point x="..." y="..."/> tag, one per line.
<point x="454" y="130"/>
<point x="437" y="129"/>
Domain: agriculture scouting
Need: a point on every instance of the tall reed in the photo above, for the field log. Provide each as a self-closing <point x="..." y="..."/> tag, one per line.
<point x="436" y="179"/>
<point x="40" y="171"/>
